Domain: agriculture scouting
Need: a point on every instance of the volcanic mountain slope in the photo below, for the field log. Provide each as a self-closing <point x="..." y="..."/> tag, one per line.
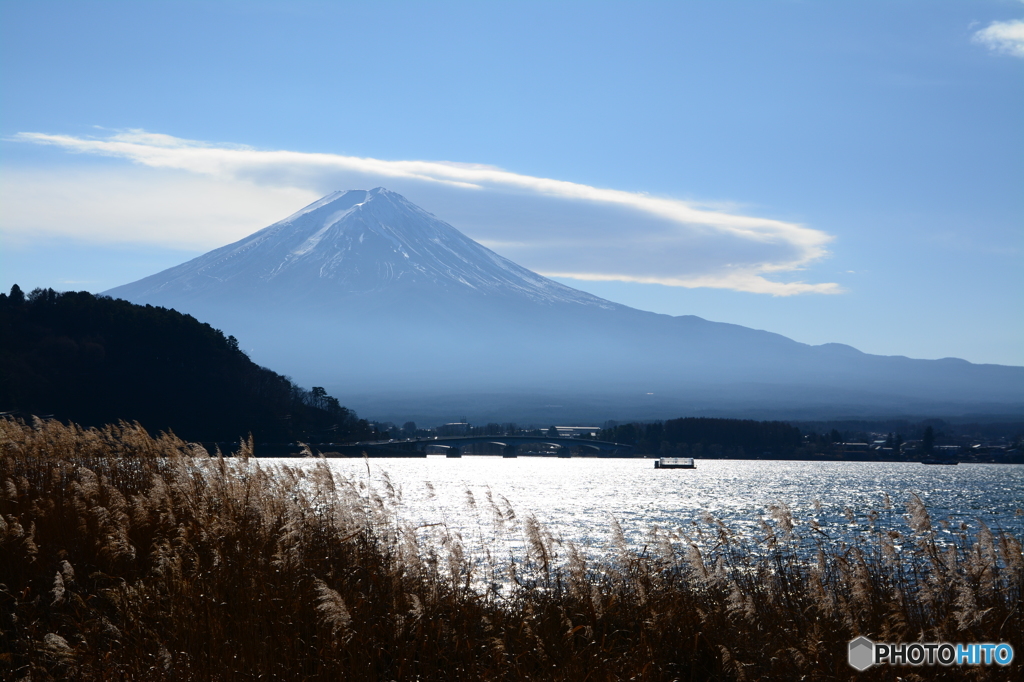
<point x="372" y="296"/>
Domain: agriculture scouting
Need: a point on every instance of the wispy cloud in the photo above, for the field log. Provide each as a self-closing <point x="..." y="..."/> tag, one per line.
<point x="553" y="226"/>
<point x="1003" y="36"/>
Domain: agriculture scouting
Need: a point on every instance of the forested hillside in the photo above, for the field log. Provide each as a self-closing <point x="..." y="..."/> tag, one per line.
<point x="95" y="360"/>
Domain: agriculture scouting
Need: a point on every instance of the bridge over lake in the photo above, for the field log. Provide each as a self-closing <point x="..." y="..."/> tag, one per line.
<point x="452" y="445"/>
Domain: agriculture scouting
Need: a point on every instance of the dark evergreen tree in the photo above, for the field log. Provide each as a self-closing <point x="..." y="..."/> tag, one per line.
<point x="17" y="296"/>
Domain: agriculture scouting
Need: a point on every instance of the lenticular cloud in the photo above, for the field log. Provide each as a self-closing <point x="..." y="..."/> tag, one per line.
<point x="554" y="227"/>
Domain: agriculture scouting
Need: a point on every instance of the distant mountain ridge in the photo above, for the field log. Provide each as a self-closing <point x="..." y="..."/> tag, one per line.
<point x="394" y="309"/>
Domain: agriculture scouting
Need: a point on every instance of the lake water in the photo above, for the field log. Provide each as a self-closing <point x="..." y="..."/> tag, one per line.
<point x="576" y="499"/>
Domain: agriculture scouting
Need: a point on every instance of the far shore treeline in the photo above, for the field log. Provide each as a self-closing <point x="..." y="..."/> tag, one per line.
<point x="95" y="360"/>
<point x="707" y="436"/>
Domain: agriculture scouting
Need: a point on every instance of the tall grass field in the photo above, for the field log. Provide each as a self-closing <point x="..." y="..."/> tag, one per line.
<point x="127" y="557"/>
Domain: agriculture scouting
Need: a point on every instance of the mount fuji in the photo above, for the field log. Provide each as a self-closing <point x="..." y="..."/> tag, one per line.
<point x="346" y="245"/>
<point x="403" y="316"/>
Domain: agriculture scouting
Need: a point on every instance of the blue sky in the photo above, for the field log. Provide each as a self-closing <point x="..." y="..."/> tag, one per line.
<point x="833" y="171"/>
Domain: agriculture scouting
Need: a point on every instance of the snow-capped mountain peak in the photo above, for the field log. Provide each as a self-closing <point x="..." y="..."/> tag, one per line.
<point x="349" y="243"/>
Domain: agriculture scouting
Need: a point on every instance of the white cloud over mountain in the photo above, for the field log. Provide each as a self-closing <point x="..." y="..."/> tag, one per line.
<point x="202" y="195"/>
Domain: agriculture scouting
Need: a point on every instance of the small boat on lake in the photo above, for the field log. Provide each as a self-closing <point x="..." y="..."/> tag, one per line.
<point x="674" y="463"/>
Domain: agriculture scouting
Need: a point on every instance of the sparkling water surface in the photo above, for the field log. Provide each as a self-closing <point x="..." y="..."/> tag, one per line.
<point x="577" y="499"/>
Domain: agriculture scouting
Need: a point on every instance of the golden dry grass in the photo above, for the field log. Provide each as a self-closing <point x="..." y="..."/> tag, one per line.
<point x="124" y="557"/>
